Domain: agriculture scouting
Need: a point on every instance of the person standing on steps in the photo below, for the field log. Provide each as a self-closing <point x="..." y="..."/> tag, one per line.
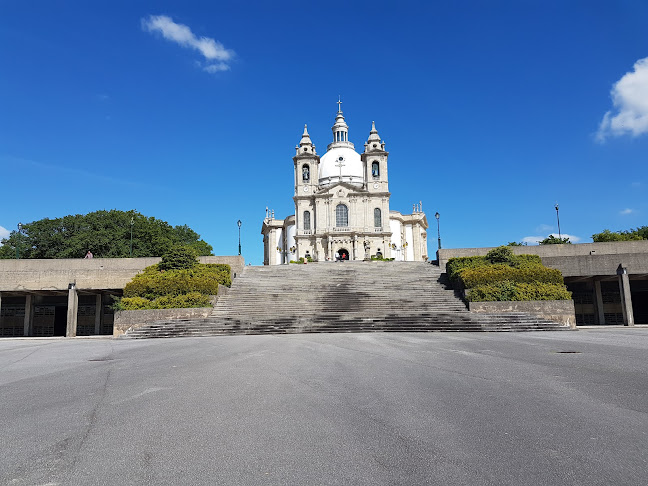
<point x="88" y="255"/>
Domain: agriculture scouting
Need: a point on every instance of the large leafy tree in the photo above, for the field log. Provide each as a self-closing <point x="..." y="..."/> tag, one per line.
<point x="552" y="240"/>
<point x="640" y="233"/>
<point x="105" y="233"/>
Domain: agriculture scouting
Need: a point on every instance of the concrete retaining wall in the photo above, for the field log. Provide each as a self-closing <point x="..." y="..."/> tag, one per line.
<point x="93" y="274"/>
<point x="125" y="320"/>
<point x="586" y="258"/>
<point x="561" y="311"/>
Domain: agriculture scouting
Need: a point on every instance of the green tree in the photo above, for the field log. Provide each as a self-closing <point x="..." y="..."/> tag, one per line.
<point x="178" y="257"/>
<point x="552" y="240"/>
<point x="607" y="235"/>
<point x="515" y="243"/>
<point x="640" y="233"/>
<point x="106" y="233"/>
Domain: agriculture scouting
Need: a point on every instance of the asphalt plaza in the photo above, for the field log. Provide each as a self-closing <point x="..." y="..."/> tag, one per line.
<point x="375" y="408"/>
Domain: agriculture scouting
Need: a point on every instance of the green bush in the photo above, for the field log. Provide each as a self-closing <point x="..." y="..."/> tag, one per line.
<point x="203" y="278"/>
<point x="507" y="291"/>
<point x="526" y="260"/>
<point x="472" y="277"/>
<point x="501" y="254"/>
<point x="135" y="303"/>
<point x="456" y="265"/>
<point x="192" y="299"/>
<point x="179" y="257"/>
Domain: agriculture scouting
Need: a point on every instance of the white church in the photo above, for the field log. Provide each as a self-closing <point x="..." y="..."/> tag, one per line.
<point x="342" y="207"/>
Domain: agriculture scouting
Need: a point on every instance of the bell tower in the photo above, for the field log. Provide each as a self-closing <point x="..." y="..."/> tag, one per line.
<point x="306" y="163"/>
<point x="374" y="160"/>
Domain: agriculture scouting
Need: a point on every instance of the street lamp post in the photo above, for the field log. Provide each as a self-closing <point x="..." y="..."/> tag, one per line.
<point x="239" y="227"/>
<point x="132" y="222"/>
<point x="558" y="218"/>
<point x="18" y="236"/>
<point x="437" y="216"/>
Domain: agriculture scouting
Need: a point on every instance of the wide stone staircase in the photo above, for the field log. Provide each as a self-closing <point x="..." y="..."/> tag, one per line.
<point x="340" y="297"/>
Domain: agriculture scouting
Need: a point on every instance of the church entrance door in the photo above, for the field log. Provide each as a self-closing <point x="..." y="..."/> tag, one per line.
<point x="343" y="254"/>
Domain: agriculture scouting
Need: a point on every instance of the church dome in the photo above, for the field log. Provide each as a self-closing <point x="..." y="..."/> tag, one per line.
<point x="341" y="163"/>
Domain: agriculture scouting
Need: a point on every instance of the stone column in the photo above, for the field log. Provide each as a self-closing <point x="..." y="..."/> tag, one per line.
<point x="598" y="298"/>
<point x="72" y="311"/>
<point x="29" y="313"/>
<point x="98" y="313"/>
<point x="1" y="309"/>
<point x="626" y="297"/>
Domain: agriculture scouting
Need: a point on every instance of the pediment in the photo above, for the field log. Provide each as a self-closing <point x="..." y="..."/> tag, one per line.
<point x="341" y="189"/>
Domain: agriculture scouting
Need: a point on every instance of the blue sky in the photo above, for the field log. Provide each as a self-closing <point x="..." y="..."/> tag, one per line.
<point x="492" y="111"/>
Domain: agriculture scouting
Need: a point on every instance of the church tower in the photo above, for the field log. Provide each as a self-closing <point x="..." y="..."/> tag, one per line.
<point x="306" y="166"/>
<point x="374" y="159"/>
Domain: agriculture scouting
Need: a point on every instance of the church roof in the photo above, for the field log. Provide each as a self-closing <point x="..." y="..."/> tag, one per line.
<point x="341" y="163"/>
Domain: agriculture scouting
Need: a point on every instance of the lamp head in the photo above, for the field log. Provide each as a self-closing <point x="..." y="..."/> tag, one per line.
<point x="19" y="226"/>
<point x="437" y="216"/>
<point x="239" y="223"/>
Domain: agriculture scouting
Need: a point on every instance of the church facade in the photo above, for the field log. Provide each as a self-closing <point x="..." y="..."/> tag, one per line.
<point x="342" y="207"/>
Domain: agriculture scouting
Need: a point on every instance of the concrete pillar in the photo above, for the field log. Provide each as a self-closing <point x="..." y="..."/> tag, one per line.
<point x="626" y="297"/>
<point x="598" y="298"/>
<point x="72" y="311"/>
<point x="29" y="314"/>
<point x="98" y="313"/>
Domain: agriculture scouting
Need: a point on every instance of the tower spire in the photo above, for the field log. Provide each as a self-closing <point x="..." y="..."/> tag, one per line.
<point x="305" y="144"/>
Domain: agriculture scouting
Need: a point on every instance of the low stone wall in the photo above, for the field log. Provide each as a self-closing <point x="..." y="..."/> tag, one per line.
<point x="561" y="311"/>
<point x="125" y="320"/>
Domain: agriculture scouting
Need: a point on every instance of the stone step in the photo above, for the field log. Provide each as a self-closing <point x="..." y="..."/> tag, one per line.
<point x="343" y="297"/>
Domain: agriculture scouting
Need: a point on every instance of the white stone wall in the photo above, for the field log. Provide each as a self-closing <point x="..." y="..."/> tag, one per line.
<point x="409" y="238"/>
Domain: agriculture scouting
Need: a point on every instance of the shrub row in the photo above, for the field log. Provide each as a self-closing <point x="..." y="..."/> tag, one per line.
<point x="191" y="299"/>
<point x="202" y="278"/>
<point x="507" y="290"/>
<point x="455" y="266"/>
<point x="473" y="277"/>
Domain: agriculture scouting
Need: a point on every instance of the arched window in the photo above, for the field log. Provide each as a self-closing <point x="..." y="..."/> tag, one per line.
<point x="307" y="225"/>
<point x="341" y="215"/>
<point x="375" y="169"/>
<point x="305" y="173"/>
<point x="377" y="218"/>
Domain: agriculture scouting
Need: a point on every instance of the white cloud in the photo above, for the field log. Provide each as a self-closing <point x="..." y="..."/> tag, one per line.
<point x="630" y="99"/>
<point x="626" y="211"/>
<point x="4" y="233"/>
<point x="215" y="54"/>
<point x="534" y="240"/>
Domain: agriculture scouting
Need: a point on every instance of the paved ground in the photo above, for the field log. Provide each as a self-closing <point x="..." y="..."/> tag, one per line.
<point x="355" y="409"/>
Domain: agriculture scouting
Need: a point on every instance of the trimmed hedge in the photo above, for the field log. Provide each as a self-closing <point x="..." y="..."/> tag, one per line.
<point x="191" y="299"/>
<point x="472" y="277"/>
<point x="203" y="278"/>
<point x="507" y="290"/>
<point x="515" y="277"/>
<point x="455" y="266"/>
<point x="526" y="260"/>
